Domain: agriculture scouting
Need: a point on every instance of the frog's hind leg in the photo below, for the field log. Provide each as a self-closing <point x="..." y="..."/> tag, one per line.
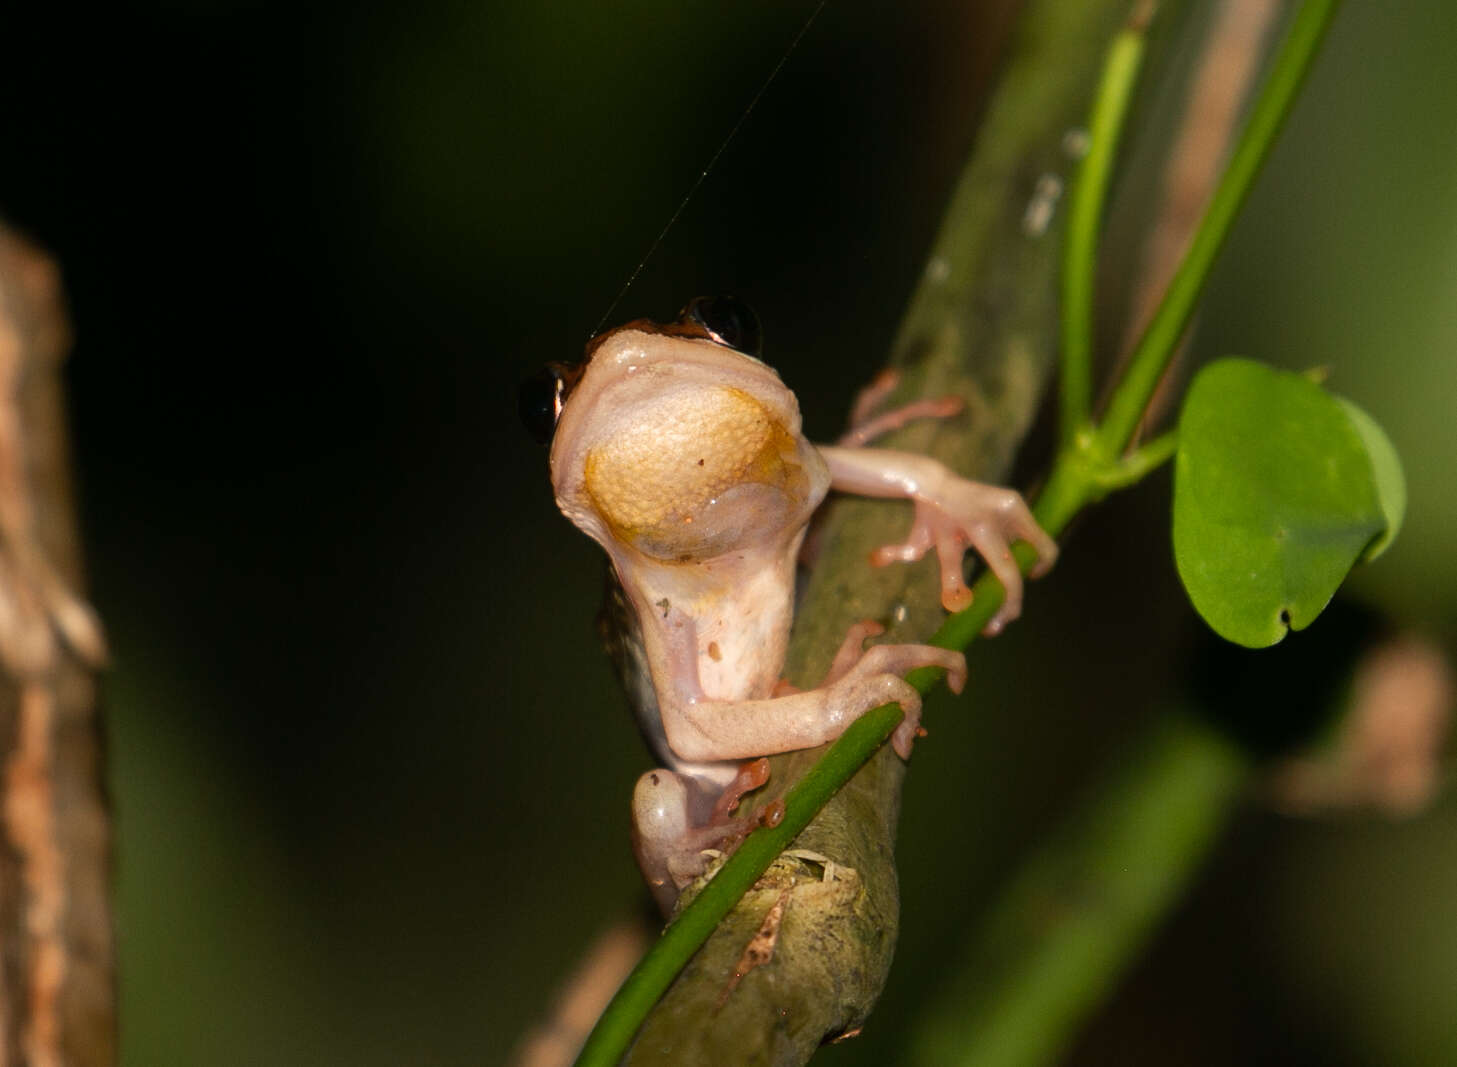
<point x="670" y="843"/>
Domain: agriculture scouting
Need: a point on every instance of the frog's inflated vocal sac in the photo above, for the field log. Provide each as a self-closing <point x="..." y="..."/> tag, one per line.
<point x="681" y="454"/>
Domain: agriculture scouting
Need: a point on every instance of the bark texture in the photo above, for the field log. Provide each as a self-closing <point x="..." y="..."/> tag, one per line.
<point x="57" y="996"/>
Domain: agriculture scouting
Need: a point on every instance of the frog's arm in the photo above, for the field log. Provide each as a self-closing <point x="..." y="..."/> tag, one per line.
<point x="700" y="728"/>
<point x="952" y="513"/>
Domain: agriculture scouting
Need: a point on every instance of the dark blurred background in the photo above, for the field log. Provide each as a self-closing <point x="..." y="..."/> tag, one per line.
<point x="370" y="772"/>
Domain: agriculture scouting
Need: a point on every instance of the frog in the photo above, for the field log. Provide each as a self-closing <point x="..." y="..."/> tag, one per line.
<point x="680" y="452"/>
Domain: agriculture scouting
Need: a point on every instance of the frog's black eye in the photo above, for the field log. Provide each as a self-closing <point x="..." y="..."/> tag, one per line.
<point x="729" y="321"/>
<point x="543" y="396"/>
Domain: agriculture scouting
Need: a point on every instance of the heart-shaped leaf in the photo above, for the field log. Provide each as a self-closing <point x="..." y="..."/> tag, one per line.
<point x="1275" y="499"/>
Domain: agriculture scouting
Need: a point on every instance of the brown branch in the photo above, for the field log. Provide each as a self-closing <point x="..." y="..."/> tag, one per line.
<point x="57" y="998"/>
<point x="981" y="326"/>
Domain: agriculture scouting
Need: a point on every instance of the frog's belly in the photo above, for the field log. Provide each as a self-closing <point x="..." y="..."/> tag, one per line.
<point x="742" y="639"/>
<point x="622" y="633"/>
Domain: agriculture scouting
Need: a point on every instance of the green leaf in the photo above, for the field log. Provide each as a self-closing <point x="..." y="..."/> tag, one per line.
<point x="1275" y="498"/>
<point x="1390" y="481"/>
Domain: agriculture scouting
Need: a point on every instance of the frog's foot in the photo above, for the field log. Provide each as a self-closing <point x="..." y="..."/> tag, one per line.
<point x="670" y="849"/>
<point x="876" y="678"/>
<point x="983" y="517"/>
<point x="852" y="657"/>
<point x="751" y="776"/>
<point x="848" y="654"/>
<point x="866" y="424"/>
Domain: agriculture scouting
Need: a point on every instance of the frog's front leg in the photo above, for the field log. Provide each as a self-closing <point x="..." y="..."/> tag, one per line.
<point x="951" y="513"/>
<point x="699" y="727"/>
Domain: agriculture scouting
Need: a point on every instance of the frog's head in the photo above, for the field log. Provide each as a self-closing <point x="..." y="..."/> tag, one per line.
<point x="671" y="440"/>
<point x="725" y="320"/>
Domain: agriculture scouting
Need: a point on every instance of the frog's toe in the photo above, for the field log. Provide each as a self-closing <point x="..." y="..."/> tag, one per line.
<point x="851" y="649"/>
<point x="751" y="775"/>
<point x="986" y="519"/>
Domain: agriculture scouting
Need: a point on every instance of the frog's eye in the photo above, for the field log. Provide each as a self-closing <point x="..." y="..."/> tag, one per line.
<point x="542" y="397"/>
<point x="729" y="321"/>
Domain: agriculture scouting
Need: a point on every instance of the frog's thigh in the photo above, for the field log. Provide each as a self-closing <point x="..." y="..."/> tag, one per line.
<point x="660" y="830"/>
<point x="660" y="807"/>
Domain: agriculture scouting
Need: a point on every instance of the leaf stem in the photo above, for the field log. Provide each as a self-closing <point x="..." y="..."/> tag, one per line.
<point x="1138" y="464"/>
<point x="1085" y="217"/>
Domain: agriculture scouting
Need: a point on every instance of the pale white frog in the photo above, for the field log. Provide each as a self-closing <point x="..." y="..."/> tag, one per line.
<point x="681" y="454"/>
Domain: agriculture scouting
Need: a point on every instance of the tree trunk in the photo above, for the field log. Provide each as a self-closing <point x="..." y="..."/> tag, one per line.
<point x="57" y="987"/>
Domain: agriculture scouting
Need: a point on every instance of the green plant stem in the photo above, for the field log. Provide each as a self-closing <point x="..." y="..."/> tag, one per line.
<point x="1085" y="217"/>
<point x="1157" y="345"/>
<point x="1138" y="464"/>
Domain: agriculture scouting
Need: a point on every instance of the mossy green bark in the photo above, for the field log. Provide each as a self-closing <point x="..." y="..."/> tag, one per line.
<point x="982" y="325"/>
